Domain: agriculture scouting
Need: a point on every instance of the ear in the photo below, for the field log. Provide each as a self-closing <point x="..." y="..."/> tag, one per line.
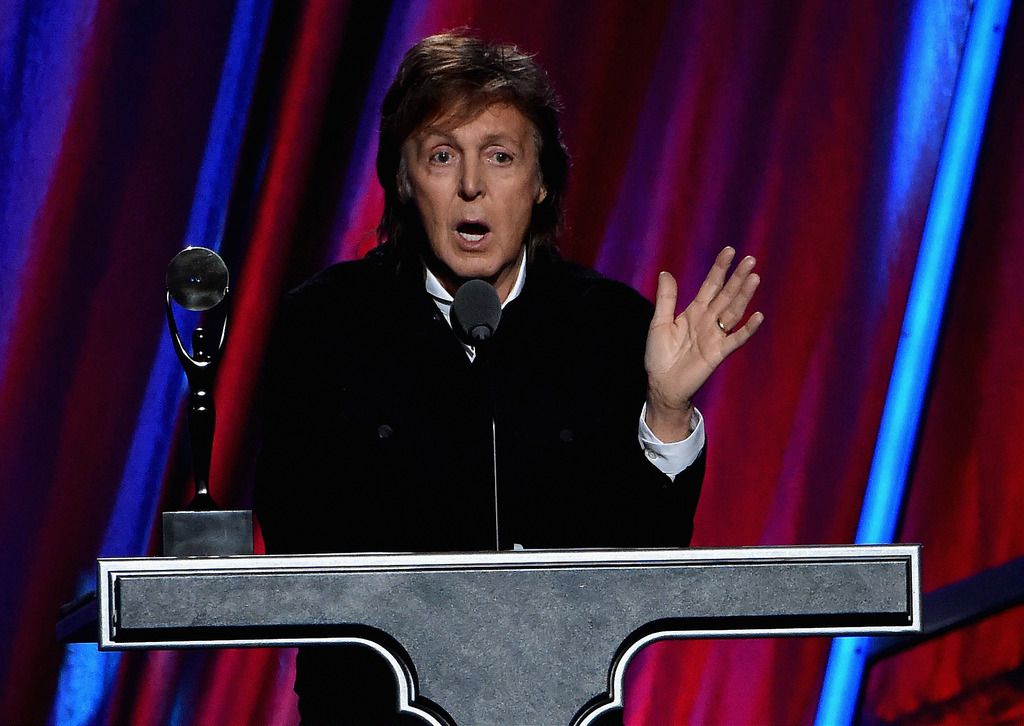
<point x="542" y="194"/>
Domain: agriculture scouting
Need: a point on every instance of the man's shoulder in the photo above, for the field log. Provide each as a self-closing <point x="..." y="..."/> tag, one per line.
<point x="344" y="299"/>
<point x="581" y="286"/>
<point x="349" y="280"/>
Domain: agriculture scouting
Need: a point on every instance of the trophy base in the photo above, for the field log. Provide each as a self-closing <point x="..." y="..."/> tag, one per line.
<point x="207" y="534"/>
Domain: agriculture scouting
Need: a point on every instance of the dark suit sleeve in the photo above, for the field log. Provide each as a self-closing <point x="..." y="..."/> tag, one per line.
<point x="277" y="411"/>
<point x="597" y="488"/>
<point x="294" y="503"/>
<point x="663" y="508"/>
<point x="671" y="503"/>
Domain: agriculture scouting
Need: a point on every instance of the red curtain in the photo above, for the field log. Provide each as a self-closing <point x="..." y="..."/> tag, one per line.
<point x="966" y="495"/>
<point x="805" y="133"/>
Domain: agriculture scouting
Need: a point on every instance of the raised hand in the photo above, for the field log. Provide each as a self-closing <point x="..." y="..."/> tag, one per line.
<point x="684" y="350"/>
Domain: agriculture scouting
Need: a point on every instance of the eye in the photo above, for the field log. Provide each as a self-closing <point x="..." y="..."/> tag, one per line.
<point x="502" y="157"/>
<point x="444" y="156"/>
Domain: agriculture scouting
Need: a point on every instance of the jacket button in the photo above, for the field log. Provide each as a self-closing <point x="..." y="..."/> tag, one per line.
<point x="384" y="431"/>
<point x="566" y="436"/>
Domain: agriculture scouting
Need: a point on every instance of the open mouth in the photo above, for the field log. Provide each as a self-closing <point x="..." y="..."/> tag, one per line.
<point x="472" y="231"/>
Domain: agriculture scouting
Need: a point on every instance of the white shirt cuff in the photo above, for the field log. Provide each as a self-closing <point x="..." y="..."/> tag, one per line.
<point x="672" y="458"/>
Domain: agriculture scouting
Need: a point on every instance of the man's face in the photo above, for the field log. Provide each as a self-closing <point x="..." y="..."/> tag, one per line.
<point x="475" y="186"/>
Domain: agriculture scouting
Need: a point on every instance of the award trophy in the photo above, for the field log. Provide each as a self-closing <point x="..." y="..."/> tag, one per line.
<point x="197" y="280"/>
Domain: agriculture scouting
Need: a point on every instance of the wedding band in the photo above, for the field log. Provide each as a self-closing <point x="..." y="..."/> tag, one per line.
<point x="720" y="326"/>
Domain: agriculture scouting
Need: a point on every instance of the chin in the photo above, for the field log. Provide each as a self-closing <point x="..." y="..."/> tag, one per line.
<point x="470" y="268"/>
<point x="473" y="272"/>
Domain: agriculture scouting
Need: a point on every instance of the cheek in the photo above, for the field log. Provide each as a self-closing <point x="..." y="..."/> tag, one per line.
<point x="431" y="206"/>
<point x="528" y="198"/>
<point x="434" y="199"/>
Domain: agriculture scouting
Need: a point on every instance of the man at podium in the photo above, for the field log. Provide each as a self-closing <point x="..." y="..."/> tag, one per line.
<point x="571" y="425"/>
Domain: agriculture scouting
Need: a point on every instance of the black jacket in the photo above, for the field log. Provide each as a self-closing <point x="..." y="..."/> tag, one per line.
<point x="378" y="428"/>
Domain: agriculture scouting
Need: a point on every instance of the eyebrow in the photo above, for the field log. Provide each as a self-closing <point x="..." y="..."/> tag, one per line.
<point x="490" y="139"/>
<point x="499" y="139"/>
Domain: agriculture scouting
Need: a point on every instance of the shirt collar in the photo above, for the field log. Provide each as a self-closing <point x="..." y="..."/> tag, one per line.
<point x="444" y="300"/>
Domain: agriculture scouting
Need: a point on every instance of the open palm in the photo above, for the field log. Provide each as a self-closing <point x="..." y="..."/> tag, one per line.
<point x="684" y="350"/>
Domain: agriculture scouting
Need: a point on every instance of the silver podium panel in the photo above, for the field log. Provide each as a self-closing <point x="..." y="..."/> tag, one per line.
<point x="538" y="637"/>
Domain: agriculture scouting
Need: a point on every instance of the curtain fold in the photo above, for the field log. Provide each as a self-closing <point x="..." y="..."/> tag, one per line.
<point x="806" y="133"/>
<point x="966" y="490"/>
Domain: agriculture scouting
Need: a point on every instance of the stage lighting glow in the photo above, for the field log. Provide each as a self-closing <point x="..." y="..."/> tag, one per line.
<point x="922" y="319"/>
<point x="87" y="677"/>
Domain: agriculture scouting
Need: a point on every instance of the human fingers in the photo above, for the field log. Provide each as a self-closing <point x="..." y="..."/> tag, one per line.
<point x="665" y="299"/>
<point x="734" y="311"/>
<point x="741" y="335"/>
<point x="716" y="277"/>
<point x="733" y="286"/>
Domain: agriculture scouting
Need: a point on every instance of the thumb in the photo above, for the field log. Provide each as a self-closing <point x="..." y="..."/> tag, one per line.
<point x="665" y="300"/>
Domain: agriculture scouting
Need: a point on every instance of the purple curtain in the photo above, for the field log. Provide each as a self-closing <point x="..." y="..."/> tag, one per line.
<point x="806" y="133"/>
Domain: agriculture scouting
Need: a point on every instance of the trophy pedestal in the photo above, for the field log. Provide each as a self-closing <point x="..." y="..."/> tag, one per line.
<point x="207" y="534"/>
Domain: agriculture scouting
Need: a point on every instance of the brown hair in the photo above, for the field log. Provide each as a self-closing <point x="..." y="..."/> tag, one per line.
<point x="456" y="75"/>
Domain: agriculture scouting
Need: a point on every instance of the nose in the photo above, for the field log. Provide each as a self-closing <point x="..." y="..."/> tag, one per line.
<point x="471" y="183"/>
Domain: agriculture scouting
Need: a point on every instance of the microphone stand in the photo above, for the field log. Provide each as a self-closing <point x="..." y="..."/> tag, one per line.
<point x="482" y="364"/>
<point x="476" y="313"/>
<point x="494" y="460"/>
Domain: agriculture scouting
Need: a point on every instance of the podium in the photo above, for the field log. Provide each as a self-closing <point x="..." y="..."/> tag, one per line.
<point x="538" y="637"/>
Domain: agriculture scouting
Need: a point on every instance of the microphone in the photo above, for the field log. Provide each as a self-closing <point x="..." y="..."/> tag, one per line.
<point x="476" y="311"/>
